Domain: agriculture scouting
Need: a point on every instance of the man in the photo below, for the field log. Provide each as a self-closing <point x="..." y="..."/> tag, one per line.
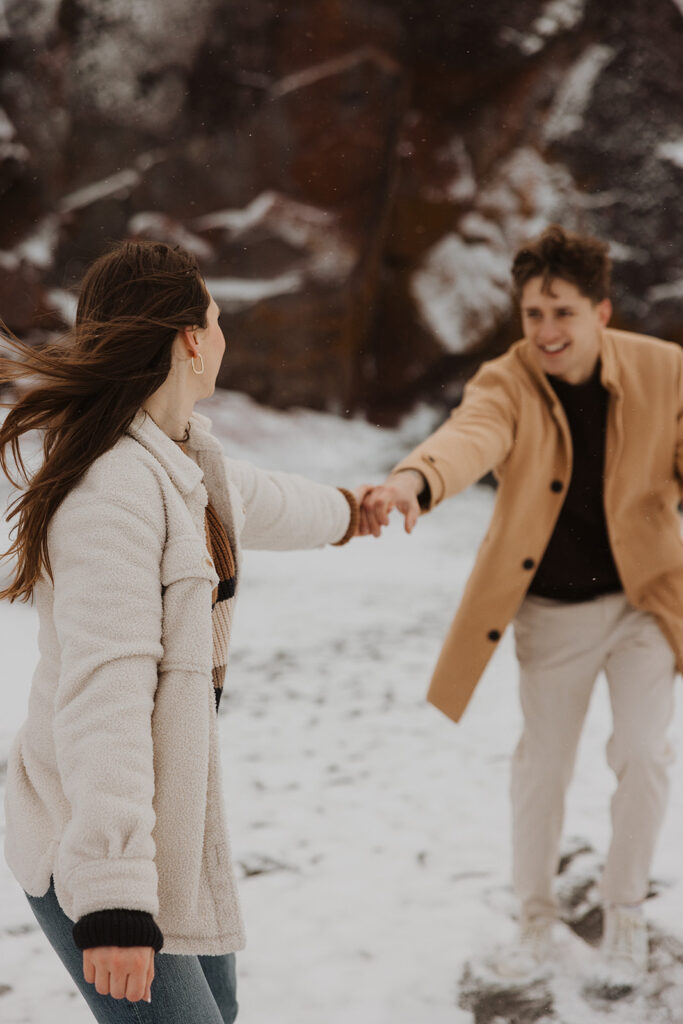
<point x="583" y="427"/>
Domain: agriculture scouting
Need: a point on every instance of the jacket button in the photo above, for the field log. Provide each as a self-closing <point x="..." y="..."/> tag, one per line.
<point x="493" y="634"/>
<point x="556" y="486"/>
<point x="208" y="563"/>
<point x="528" y="563"/>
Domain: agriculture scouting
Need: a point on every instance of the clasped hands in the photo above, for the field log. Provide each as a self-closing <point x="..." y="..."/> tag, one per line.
<point x="399" y="491"/>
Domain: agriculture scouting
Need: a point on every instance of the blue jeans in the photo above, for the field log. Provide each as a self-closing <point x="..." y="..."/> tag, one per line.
<point x="185" y="990"/>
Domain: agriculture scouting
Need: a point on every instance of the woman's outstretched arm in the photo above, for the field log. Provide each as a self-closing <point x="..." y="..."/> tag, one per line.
<point x="285" y="511"/>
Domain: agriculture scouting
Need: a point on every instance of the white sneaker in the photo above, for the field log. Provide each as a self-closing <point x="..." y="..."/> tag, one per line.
<point x="625" y="946"/>
<point x="529" y="955"/>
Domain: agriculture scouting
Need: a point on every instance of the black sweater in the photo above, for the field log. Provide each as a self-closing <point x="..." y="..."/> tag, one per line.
<point x="578" y="564"/>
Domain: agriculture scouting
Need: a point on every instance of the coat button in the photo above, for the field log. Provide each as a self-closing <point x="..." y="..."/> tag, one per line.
<point x="556" y="486"/>
<point x="528" y="563"/>
<point x="208" y="563"/>
<point x="493" y="634"/>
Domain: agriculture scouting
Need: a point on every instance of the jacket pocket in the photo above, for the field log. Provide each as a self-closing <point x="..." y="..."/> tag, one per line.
<point x="186" y="558"/>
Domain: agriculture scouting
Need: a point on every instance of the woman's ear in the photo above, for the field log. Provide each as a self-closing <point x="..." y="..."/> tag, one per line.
<point x="189" y="336"/>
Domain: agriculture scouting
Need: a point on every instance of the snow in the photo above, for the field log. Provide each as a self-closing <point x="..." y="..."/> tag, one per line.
<point x="385" y="827"/>
<point x="326" y="69"/>
<point x="238" y="221"/>
<point x="64" y="302"/>
<point x="672" y="150"/>
<point x="327" y="254"/>
<point x="234" y="293"/>
<point x="462" y="187"/>
<point x="555" y="16"/>
<point x="8" y="260"/>
<point x="526" y="193"/>
<point x="7" y="129"/>
<point x="148" y="85"/>
<point x="600" y="199"/>
<point x="36" y="248"/>
<point x="37" y="20"/>
<point x="161" y="227"/>
<point x="462" y="289"/>
<point x="559" y="16"/>
<point x="621" y="253"/>
<point x="114" y="184"/>
<point x="5" y="31"/>
<point x="573" y="96"/>
<point x="665" y="291"/>
<point x="39" y="247"/>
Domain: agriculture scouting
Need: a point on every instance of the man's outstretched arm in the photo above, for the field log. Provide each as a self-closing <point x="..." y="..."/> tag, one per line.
<point x="477" y="437"/>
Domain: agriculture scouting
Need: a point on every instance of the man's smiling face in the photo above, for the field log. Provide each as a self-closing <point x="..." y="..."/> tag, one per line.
<point x="563" y="327"/>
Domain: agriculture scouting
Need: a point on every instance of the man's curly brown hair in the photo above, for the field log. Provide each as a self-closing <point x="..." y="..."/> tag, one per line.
<point x="580" y="259"/>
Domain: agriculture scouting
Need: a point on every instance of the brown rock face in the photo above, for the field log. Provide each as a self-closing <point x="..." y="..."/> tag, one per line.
<point x="354" y="177"/>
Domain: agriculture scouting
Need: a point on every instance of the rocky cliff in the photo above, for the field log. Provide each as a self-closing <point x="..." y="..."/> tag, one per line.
<point x="353" y="175"/>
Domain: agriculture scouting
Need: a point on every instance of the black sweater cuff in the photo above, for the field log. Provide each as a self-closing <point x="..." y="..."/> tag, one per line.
<point x="117" y="928"/>
<point x="424" y="498"/>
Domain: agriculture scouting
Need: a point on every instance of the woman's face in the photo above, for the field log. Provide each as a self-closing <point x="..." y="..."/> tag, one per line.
<point x="212" y="347"/>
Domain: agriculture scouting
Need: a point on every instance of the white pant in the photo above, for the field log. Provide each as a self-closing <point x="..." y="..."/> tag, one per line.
<point x="562" y="648"/>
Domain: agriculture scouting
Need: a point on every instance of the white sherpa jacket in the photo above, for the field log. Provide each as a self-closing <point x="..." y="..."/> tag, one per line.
<point x="114" y="782"/>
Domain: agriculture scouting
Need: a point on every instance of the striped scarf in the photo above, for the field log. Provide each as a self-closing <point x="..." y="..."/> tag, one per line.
<point x="218" y="544"/>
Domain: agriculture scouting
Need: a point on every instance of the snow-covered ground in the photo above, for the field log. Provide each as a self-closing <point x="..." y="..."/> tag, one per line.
<point x="371" y="833"/>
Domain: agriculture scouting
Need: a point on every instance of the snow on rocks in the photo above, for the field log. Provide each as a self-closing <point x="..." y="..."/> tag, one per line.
<point x="161" y="227"/>
<point x="555" y="16"/>
<point x="236" y="293"/>
<point x="36" y="20"/>
<point x="462" y="188"/>
<point x="160" y="44"/>
<point x="328" y="256"/>
<point x="672" y="150"/>
<point x="666" y="290"/>
<point x="574" y="94"/>
<point x="64" y="303"/>
<point x="10" y="146"/>
<point x="463" y="288"/>
<point x="115" y="185"/>
<point x="252" y="101"/>
<point x="329" y="68"/>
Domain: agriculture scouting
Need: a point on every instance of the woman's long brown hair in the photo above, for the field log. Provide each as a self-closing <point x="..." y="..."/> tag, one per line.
<point x="84" y="391"/>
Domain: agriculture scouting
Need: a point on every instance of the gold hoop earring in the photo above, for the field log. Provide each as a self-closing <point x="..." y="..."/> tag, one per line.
<point x="195" y="370"/>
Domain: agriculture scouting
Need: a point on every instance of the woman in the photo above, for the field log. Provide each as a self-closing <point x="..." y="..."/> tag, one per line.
<point x="128" y="538"/>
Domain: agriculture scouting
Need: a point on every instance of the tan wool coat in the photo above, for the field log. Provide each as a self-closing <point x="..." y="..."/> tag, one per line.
<point x="510" y="421"/>
<point x="114" y="782"/>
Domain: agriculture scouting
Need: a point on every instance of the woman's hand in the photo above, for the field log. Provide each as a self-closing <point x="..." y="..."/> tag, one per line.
<point x="361" y="493"/>
<point x="124" y="972"/>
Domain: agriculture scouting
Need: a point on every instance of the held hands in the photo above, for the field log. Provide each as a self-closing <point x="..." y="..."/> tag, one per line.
<point x="399" y="491"/>
<point x="124" y="972"/>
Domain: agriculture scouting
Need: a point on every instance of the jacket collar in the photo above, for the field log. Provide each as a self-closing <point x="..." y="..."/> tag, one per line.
<point x="183" y="471"/>
<point x="201" y="438"/>
<point x="609" y="374"/>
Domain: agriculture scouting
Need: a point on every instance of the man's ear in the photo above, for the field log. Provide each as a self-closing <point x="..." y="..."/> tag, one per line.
<point x="604" y="309"/>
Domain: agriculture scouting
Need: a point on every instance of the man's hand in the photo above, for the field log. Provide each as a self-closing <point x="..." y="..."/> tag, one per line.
<point x="399" y="491"/>
<point x="124" y="972"/>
